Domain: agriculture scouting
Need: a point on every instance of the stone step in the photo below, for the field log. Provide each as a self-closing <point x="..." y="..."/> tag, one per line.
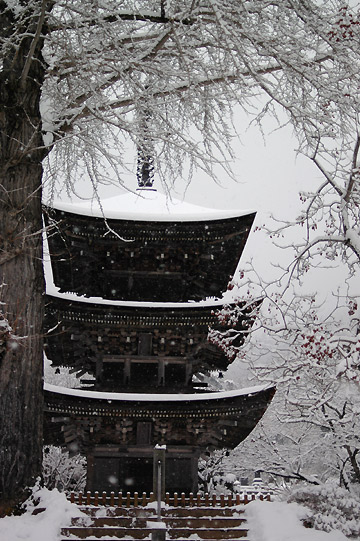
<point x="169" y="511"/>
<point x="142" y="533"/>
<point x="120" y="522"/>
<point x="182" y="523"/>
<point x="170" y="521"/>
<point x="203" y="511"/>
<point x="93" y="511"/>
<point x="148" y="538"/>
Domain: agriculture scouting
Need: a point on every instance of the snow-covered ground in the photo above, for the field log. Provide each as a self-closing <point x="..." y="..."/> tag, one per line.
<point x="280" y="521"/>
<point x="267" y="521"/>
<point x="43" y="526"/>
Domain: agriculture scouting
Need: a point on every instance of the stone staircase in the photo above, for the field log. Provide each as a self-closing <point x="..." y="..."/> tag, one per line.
<point x="182" y="524"/>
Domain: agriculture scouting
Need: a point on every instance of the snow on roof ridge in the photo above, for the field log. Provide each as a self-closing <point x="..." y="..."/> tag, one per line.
<point x="152" y="397"/>
<point x="216" y="303"/>
<point x="149" y="206"/>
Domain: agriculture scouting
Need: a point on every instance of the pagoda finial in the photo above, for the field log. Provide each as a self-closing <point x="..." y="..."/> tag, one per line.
<point x="145" y="168"/>
<point x="145" y="148"/>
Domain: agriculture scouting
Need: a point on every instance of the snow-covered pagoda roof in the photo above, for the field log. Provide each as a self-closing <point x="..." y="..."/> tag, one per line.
<point x="149" y="248"/>
<point x="185" y="325"/>
<point x="211" y="302"/>
<point x="147" y="205"/>
<point x="226" y="418"/>
<point x="158" y="397"/>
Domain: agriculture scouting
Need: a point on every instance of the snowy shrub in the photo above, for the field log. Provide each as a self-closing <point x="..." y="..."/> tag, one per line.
<point x="62" y="471"/>
<point x="224" y="483"/>
<point x="215" y="381"/>
<point x="61" y="376"/>
<point x="211" y="474"/>
<point x="331" y="508"/>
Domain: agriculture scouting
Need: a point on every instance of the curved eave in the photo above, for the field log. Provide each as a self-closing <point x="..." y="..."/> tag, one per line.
<point x="215" y="221"/>
<point x="187" y="322"/>
<point x="234" y="413"/>
<point x="217" y="404"/>
<point x="145" y="261"/>
<point x="124" y="398"/>
<point x="97" y="304"/>
<point x="131" y="208"/>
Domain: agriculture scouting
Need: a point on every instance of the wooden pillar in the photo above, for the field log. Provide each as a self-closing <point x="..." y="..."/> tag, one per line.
<point x="188" y="371"/>
<point x="99" y="368"/>
<point x="161" y="372"/>
<point x="195" y="474"/>
<point x="90" y="471"/>
<point x="127" y="369"/>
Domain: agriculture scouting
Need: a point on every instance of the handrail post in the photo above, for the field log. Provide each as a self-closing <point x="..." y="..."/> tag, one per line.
<point x="159" y="471"/>
<point x="159" y="490"/>
<point x="158" y="532"/>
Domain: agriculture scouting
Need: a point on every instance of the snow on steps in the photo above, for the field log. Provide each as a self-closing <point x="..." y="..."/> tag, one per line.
<point x="181" y="523"/>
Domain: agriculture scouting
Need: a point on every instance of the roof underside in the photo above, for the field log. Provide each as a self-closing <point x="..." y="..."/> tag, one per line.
<point x="218" y="422"/>
<point x="144" y="261"/>
<point x="79" y="333"/>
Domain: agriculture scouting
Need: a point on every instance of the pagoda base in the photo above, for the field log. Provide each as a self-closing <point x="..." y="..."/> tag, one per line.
<point x="131" y="469"/>
<point x="119" y="431"/>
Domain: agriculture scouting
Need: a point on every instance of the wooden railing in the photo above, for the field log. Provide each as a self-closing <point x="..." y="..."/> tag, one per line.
<point x="174" y="500"/>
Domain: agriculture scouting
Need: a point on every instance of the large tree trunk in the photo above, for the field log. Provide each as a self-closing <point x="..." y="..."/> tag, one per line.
<point x="21" y="272"/>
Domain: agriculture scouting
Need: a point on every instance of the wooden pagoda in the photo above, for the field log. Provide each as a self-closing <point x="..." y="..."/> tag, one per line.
<point x="129" y="311"/>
